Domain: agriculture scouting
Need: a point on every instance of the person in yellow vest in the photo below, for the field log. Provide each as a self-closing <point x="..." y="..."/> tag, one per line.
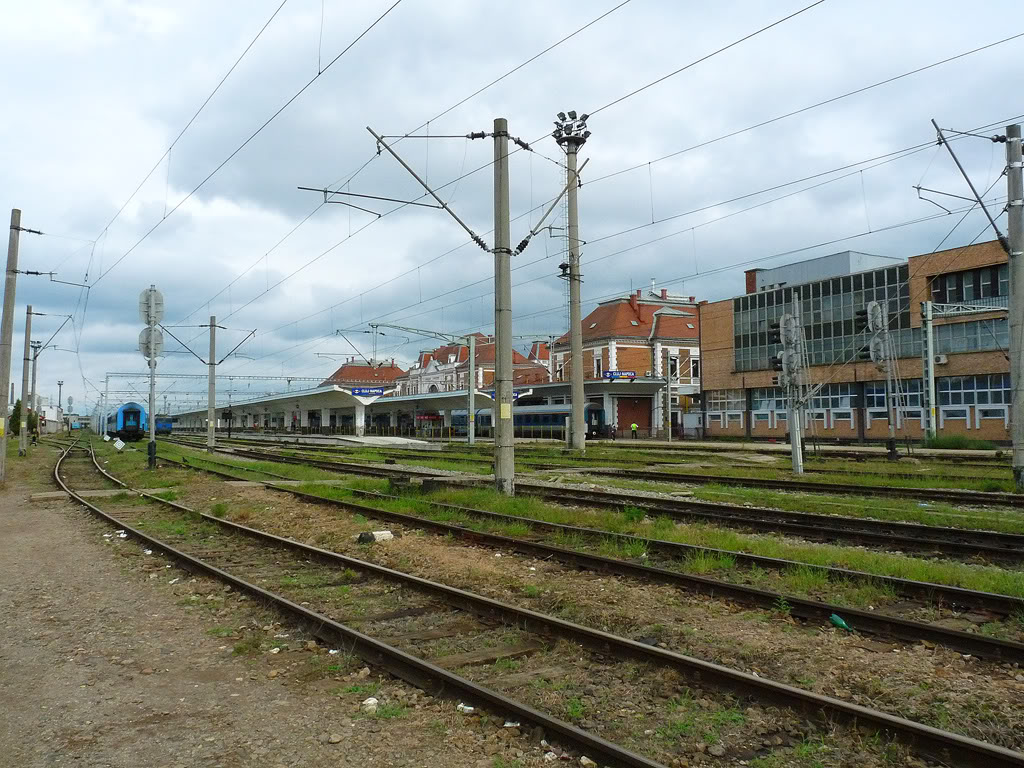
<point x="633" y="428"/>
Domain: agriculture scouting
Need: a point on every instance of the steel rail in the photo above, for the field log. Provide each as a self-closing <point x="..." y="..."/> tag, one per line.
<point x="933" y="494"/>
<point x="955" y="541"/>
<point x="920" y="590"/>
<point x="419" y="672"/>
<point x="903" y="629"/>
<point x="928" y="741"/>
<point x="916" y="536"/>
<point x="545" y="463"/>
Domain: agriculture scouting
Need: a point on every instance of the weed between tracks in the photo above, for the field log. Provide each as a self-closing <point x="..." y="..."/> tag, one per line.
<point x="803" y="581"/>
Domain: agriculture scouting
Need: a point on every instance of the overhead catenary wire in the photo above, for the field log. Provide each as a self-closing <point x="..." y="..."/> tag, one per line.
<point x="614" y="102"/>
<point x="842" y="96"/>
<point x="246" y="142"/>
<point x="350" y="177"/>
<point x="195" y="115"/>
<point x="887" y="157"/>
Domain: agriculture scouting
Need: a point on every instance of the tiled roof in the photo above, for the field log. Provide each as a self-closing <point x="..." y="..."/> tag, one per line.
<point x="360" y="373"/>
<point x="632" y="318"/>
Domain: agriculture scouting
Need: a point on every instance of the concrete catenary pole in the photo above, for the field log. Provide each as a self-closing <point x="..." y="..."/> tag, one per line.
<point x="37" y="347"/>
<point x="471" y="392"/>
<point x="152" y="377"/>
<point x="26" y="362"/>
<point x="211" y="392"/>
<point x="1015" y="237"/>
<point x="7" y="332"/>
<point x="504" y="435"/>
<point x="576" y="373"/>
<point x="929" y="365"/>
<point x="60" y="395"/>
<point x="105" y="413"/>
<point x="793" y="340"/>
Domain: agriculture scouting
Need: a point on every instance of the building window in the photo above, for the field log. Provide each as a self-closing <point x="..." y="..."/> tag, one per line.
<point x="827" y="309"/>
<point x="726" y="400"/>
<point x="984" y="389"/>
<point x="973" y="336"/>
<point x="909" y="394"/>
<point x="597" y="366"/>
<point x="768" y="399"/>
<point x="989" y="284"/>
<point x="695" y="367"/>
<point x="835" y="396"/>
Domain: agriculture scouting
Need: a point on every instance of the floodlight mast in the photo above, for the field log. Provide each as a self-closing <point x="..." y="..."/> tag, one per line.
<point x="572" y="134"/>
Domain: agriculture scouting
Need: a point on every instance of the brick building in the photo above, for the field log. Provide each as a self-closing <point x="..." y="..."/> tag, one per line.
<point x="652" y="335"/>
<point x="446" y="368"/>
<point x="971" y="366"/>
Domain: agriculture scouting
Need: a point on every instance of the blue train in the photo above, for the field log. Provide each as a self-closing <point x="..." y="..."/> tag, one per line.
<point x="128" y="422"/>
<point x="164" y="424"/>
<point x="534" y="420"/>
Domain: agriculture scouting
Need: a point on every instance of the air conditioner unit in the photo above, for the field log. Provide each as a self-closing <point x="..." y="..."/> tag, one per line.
<point x="941" y="359"/>
<point x="647" y="374"/>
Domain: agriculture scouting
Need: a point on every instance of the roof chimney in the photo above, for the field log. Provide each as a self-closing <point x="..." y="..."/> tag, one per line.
<point x="751" y="279"/>
<point x="633" y="302"/>
<point x="692" y="299"/>
<point x="664" y="293"/>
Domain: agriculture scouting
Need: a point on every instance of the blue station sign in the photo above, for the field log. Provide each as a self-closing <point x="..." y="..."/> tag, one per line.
<point x="493" y="395"/>
<point x="367" y="391"/>
<point x="620" y="374"/>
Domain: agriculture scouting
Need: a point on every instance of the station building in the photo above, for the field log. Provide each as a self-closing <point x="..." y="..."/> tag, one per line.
<point x="644" y="337"/>
<point x="971" y="363"/>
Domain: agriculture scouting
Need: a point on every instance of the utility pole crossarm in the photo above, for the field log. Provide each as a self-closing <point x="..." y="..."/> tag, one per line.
<point x="574" y="176"/>
<point x="473" y="235"/>
<point x="999" y="235"/>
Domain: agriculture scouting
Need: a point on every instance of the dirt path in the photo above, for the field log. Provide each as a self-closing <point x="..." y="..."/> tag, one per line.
<point x="105" y="662"/>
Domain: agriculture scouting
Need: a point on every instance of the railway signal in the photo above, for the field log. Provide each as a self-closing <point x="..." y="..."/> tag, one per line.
<point x="151" y="343"/>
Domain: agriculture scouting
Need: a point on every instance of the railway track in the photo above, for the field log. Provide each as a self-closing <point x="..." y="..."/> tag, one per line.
<point x="872" y="622"/>
<point x="248" y="558"/>
<point x="953" y="496"/>
<point x="915" y="537"/>
<point x="634" y="465"/>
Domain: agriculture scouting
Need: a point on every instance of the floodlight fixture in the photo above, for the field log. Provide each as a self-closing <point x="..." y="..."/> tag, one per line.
<point x="572" y="114"/>
<point x="561" y="116"/>
<point x="584" y="117"/>
<point x="586" y="134"/>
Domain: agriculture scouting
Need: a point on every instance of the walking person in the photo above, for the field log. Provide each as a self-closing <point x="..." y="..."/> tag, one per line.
<point x="633" y="428"/>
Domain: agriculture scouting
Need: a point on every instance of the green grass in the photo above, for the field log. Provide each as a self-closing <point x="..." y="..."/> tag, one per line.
<point x="959" y="443"/>
<point x="249" y="645"/>
<point x="897" y="510"/>
<point x="390" y="711"/>
<point x="702" y="535"/>
<point x="805" y="581"/>
<point x="575" y="709"/>
<point x="364" y="689"/>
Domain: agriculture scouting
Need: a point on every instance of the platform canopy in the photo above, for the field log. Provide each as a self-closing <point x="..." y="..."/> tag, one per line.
<point x="334" y="396"/>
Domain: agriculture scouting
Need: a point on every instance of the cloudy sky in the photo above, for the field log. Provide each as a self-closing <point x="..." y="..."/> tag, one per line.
<point x="98" y="90"/>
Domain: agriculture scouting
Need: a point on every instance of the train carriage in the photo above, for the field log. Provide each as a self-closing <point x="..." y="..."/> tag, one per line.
<point x="128" y="422"/>
<point x="534" y="420"/>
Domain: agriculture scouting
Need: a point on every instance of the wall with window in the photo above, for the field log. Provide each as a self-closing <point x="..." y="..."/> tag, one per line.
<point x="972" y="336"/>
<point x="827" y="310"/>
<point x="982" y="285"/>
<point x="976" y="405"/>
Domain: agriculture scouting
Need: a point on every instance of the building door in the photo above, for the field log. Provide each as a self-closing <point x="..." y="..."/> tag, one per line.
<point x="634" y="409"/>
